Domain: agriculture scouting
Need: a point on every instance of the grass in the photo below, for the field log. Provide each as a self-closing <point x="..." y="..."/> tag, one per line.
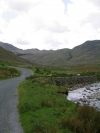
<point x="89" y="52"/>
<point x="7" y="72"/>
<point x="86" y="121"/>
<point x="9" y="58"/>
<point x="43" y="110"/>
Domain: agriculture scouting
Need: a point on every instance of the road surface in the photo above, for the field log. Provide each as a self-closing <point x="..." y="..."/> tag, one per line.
<point x="9" y="117"/>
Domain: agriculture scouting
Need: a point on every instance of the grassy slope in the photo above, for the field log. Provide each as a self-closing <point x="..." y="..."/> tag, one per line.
<point x="7" y="72"/>
<point x="10" y="47"/>
<point x="9" y="57"/>
<point x="87" y="53"/>
<point x="43" y="110"/>
<point x="55" y="58"/>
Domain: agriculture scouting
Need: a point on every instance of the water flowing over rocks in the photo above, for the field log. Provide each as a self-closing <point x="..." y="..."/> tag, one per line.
<point x="87" y="95"/>
<point x="82" y="91"/>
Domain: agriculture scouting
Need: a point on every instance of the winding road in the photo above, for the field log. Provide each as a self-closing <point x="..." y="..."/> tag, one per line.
<point x="9" y="117"/>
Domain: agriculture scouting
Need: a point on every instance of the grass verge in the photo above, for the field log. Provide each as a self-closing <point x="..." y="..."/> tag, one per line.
<point x="7" y="72"/>
<point x="43" y="110"/>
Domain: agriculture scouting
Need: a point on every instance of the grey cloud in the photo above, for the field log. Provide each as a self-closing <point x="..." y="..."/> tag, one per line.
<point x="53" y="43"/>
<point x="94" y="20"/>
<point x="96" y="2"/>
<point x="57" y="28"/>
<point x="39" y="24"/>
<point x="22" y="5"/>
<point x="1" y="32"/>
<point x="22" y="42"/>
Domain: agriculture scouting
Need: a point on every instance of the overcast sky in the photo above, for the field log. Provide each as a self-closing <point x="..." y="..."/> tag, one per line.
<point x="49" y="24"/>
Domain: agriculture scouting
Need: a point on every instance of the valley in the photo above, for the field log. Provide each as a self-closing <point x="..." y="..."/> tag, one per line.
<point x="86" y="53"/>
<point x="43" y="105"/>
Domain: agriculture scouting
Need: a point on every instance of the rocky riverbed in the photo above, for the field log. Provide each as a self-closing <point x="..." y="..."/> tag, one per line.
<point x="87" y="95"/>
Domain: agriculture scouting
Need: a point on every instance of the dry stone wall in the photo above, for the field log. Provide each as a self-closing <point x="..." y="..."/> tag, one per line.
<point x="73" y="80"/>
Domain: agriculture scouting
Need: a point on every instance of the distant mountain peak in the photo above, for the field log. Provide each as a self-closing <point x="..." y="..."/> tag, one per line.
<point x="8" y="46"/>
<point x="86" y="53"/>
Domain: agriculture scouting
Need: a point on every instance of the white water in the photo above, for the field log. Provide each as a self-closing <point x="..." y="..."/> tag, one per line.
<point x="89" y="95"/>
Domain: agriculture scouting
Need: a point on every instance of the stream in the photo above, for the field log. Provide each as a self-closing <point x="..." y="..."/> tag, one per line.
<point x="87" y="95"/>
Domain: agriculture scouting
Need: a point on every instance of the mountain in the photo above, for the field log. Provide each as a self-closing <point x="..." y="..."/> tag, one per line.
<point x="7" y="57"/>
<point x="20" y="52"/>
<point x="10" y="47"/>
<point x="86" y="53"/>
<point x="56" y="57"/>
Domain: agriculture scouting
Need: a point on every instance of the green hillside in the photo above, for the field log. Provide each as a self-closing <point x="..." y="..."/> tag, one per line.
<point x="57" y="57"/>
<point x="10" y="47"/>
<point x="7" y="57"/>
<point x="86" y="53"/>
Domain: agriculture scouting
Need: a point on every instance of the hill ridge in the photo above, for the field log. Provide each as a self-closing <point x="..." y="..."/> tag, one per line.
<point x="85" y="53"/>
<point x="8" y="57"/>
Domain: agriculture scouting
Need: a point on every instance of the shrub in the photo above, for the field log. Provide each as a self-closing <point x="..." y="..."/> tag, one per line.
<point x="37" y="70"/>
<point x="7" y="72"/>
<point x="38" y="129"/>
<point x="30" y="77"/>
<point x="86" y="121"/>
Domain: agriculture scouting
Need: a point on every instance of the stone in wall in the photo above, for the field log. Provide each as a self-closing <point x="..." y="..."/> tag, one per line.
<point x="60" y="81"/>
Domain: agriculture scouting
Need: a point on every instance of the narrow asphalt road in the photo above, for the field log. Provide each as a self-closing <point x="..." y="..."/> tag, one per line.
<point x="9" y="117"/>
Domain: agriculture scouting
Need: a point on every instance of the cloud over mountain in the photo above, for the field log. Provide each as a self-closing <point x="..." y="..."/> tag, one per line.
<point x="49" y="24"/>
